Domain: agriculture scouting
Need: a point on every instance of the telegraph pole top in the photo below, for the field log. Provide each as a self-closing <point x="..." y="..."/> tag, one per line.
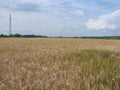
<point x="10" y="24"/>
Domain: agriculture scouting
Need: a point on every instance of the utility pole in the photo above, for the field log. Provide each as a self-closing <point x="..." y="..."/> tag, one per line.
<point x="10" y="24"/>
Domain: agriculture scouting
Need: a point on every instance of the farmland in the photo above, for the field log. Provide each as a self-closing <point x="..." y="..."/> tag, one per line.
<point x="59" y="64"/>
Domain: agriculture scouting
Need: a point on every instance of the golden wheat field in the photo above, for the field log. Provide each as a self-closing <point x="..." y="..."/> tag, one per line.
<point x="59" y="64"/>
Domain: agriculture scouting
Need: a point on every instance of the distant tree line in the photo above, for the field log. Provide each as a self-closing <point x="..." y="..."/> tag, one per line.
<point x="40" y="36"/>
<point x="12" y="35"/>
<point x="103" y="37"/>
<point x="19" y="35"/>
<point x="34" y="36"/>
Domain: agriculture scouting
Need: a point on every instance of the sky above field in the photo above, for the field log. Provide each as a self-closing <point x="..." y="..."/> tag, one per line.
<point x="61" y="17"/>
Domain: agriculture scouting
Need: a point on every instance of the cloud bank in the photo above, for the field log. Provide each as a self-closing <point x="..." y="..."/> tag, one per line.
<point x="60" y="17"/>
<point x="110" y="21"/>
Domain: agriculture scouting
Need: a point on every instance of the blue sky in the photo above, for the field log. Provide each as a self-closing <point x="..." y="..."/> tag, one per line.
<point x="61" y="17"/>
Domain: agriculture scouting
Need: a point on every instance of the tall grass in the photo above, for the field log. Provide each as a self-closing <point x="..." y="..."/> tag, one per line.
<point x="59" y="64"/>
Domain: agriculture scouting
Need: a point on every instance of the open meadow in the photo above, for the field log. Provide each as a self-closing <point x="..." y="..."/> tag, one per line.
<point x="59" y="64"/>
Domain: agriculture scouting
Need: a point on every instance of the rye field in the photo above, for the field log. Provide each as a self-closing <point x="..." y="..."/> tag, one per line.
<point x="59" y="64"/>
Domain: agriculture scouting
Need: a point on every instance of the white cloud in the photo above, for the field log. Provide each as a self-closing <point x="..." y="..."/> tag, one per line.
<point x="79" y="12"/>
<point x="106" y="21"/>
